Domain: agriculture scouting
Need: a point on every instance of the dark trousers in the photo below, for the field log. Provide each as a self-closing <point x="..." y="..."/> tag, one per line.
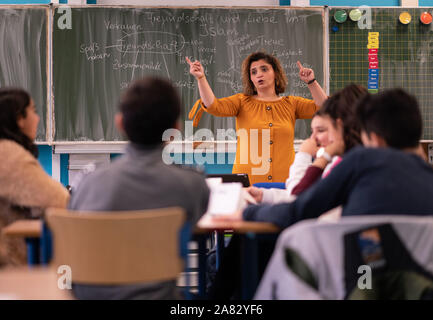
<point x="228" y="280"/>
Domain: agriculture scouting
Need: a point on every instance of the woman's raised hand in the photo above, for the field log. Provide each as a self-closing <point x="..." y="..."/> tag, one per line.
<point x="195" y="68"/>
<point x="305" y="74"/>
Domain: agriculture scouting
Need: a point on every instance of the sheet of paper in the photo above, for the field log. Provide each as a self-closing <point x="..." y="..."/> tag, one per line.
<point x="225" y="198"/>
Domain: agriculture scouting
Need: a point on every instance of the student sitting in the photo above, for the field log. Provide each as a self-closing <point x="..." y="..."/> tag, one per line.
<point x="140" y="179"/>
<point x="25" y="188"/>
<point x="378" y="179"/>
<point x="336" y="120"/>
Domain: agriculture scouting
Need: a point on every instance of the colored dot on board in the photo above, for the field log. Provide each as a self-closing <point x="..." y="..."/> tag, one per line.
<point x="340" y="16"/>
<point x="405" y="17"/>
<point x="426" y="17"/>
<point x="355" y="15"/>
<point x="335" y="28"/>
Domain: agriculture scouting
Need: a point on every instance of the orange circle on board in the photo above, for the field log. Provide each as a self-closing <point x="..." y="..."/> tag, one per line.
<point x="426" y="17"/>
<point x="405" y="17"/>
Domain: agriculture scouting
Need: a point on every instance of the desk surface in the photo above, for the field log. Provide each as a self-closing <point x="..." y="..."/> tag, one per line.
<point x="207" y="223"/>
<point x="24" y="228"/>
<point x="33" y="228"/>
<point x="31" y="284"/>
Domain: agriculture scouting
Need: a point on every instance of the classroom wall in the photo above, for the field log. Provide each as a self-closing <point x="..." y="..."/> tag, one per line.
<point x="45" y="158"/>
<point x="46" y="152"/>
<point x="178" y="3"/>
<point x="387" y="3"/>
<point x="24" y="1"/>
<point x="227" y="3"/>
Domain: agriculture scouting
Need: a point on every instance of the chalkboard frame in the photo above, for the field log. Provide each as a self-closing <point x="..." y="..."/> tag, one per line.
<point x="325" y="65"/>
<point x="47" y="106"/>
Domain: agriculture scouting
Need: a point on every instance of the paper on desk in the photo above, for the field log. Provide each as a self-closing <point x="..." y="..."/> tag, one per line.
<point x="225" y="198"/>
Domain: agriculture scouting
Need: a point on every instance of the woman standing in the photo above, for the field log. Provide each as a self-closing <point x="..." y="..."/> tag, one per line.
<point x="24" y="184"/>
<point x="263" y="118"/>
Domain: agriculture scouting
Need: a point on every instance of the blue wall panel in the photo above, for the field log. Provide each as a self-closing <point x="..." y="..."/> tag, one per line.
<point x="45" y="158"/>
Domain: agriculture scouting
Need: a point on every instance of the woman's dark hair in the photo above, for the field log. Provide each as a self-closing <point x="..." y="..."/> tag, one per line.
<point x="393" y="115"/>
<point x="13" y="106"/>
<point x="280" y="76"/>
<point x="342" y="105"/>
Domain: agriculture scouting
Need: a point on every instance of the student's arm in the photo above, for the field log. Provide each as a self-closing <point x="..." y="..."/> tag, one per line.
<point x="315" y="171"/>
<point x="303" y="159"/>
<point x="311" y="176"/>
<point x="326" y="194"/>
<point x="295" y="184"/>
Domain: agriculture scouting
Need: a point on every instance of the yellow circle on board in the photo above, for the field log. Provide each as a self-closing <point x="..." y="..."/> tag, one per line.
<point x="355" y="15"/>
<point x="405" y="17"/>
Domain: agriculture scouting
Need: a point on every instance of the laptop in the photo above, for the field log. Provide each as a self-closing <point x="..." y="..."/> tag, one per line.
<point x="232" y="177"/>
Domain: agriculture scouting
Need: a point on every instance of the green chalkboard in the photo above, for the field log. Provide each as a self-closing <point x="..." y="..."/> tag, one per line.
<point x="23" y="55"/>
<point x="108" y="47"/>
<point x="405" y="56"/>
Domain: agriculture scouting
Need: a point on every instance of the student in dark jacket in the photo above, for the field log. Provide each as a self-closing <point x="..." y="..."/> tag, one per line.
<point x="376" y="179"/>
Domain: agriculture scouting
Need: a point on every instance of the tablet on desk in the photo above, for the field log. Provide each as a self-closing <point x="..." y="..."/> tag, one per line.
<point x="232" y="177"/>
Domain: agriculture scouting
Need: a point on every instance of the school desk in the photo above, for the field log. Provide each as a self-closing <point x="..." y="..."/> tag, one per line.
<point x="31" y="230"/>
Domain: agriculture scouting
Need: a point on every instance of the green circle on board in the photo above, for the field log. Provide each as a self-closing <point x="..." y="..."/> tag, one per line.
<point x="340" y="16"/>
<point x="355" y="15"/>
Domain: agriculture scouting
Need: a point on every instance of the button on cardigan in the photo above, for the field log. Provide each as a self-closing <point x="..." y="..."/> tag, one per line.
<point x="253" y="114"/>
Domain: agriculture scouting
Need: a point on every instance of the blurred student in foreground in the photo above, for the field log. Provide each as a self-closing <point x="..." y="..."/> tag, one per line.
<point x="25" y="189"/>
<point x="140" y="179"/>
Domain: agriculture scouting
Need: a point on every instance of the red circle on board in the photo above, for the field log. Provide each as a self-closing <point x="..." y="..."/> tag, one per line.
<point x="426" y="18"/>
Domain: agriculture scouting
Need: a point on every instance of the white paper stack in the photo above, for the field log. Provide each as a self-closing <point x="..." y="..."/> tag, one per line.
<point x="225" y="198"/>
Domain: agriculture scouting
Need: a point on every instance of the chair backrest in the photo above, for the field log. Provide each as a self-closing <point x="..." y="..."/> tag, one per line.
<point x="331" y="260"/>
<point x="121" y="247"/>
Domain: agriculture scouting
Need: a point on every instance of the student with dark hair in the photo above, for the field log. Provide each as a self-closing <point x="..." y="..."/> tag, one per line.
<point x="340" y="109"/>
<point x="394" y="124"/>
<point x="260" y="107"/>
<point x="140" y="179"/>
<point x="149" y="107"/>
<point x="378" y="179"/>
<point x="25" y="188"/>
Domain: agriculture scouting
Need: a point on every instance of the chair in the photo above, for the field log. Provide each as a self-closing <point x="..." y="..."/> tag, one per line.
<point x="358" y="257"/>
<point x="114" y="248"/>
